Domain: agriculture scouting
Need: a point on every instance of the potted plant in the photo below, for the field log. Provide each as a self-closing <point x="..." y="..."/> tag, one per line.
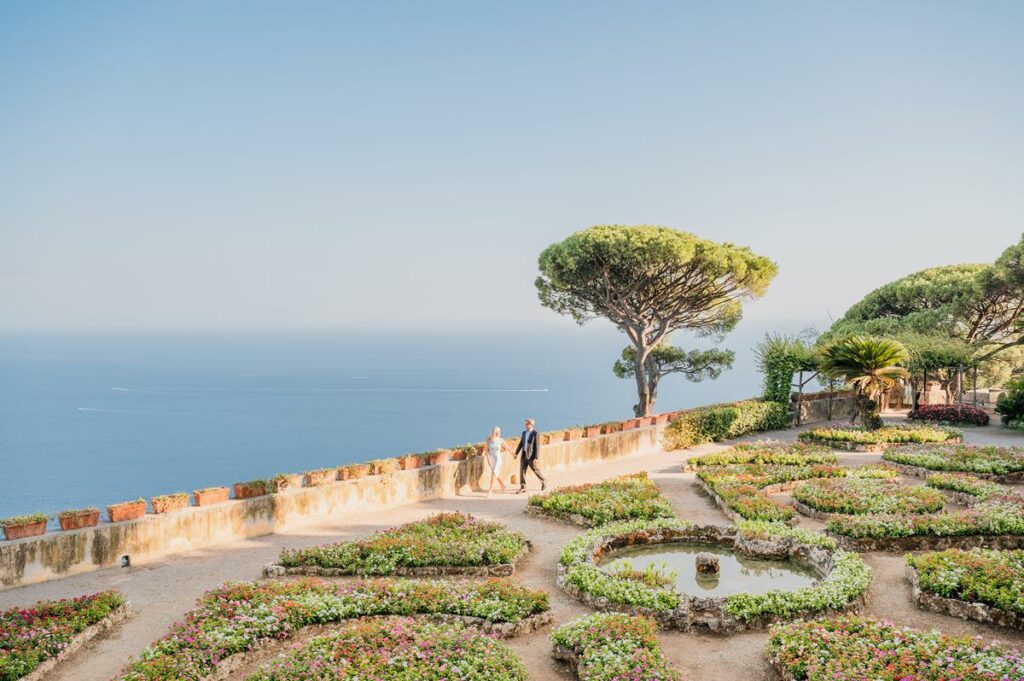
<point x="76" y="519"/>
<point x="283" y="481"/>
<point x="21" y="526"/>
<point x="548" y="438"/>
<point x="572" y="434"/>
<point x="383" y="466"/>
<point x="592" y="431"/>
<point x="409" y="462"/>
<point x="168" y="503"/>
<point x="661" y="419"/>
<point x="126" y="510"/>
<point x="630" y="424"/>
<point x="252" y="488"/>
<point x="611" y="427"/>
<point x="208" y="496"/>
<point x="466" y="451"/>
<point x="320" y="476"/>
<point x="440" y="456"/>
<point x="354" y="471"/>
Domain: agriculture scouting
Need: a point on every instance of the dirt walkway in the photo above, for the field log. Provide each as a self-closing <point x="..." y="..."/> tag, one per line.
<point x="161" y="593"/>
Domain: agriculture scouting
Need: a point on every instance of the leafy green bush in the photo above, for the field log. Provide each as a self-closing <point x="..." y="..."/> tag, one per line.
<point x="240" y="617"/>
<point x="960" y="458"/>
<point x="622" y="498"/>
<point x="444" y="539"/>
<point x="425" y="651"/>
<point x="31" y="636"/>
<point x="1010" y="405"/>
<point x="977" y="576"/>
<point x="612" y="647"/>
<point x="862" y="648"/>
<point x="714" y="424"/>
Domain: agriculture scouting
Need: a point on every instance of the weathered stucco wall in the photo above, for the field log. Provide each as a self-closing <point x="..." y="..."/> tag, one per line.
<point x="60" y="554"/>
<point x="815" y="407"/>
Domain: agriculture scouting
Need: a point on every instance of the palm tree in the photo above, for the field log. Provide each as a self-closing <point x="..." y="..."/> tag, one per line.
<point x="870" y="366"/>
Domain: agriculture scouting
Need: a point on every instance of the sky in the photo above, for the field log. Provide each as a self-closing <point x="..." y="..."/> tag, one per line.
<point x="242" y="165"/>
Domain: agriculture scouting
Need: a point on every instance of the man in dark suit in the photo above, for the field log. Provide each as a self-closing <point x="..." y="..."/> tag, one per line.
<point x="529" y="445"/>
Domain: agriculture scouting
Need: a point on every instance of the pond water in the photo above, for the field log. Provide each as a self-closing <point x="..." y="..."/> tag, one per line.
<point x="738" y="573"/>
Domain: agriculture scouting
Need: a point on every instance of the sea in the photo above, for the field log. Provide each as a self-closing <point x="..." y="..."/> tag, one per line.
<point x="91" y="418"/>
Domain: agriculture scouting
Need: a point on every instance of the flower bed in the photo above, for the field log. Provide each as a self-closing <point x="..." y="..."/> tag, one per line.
<point x="416" y="649"/>
<point x="622" y="498"/>
<point x="1005" y="464"/>
<point x="979" y="584"/>
<point x="861" y="648"/>
<point x="865" y="495"/>
<point x="33" y="640"/>
<point x="446" y="543"/>
<point x="741" y="490"/>
<point x="241" y="617"/>
<point x="997" y="522"/>
<point x="966" y="489"/>
<point x="613" y="647"/>
<point x="951" y="414"/>
<point x="844" y="576"/>
<point x="860" y="439"/>
<point x="776" y="453"/>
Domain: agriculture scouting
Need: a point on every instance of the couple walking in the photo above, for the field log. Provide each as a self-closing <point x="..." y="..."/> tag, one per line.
<point x="529" y="446"/>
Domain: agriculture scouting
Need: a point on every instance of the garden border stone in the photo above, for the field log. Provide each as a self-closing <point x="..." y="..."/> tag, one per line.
<point x="115" y="617"/>
<point x="922" y="472"/>
<point x="929" y="542"/>
<point x="956" y="607"/>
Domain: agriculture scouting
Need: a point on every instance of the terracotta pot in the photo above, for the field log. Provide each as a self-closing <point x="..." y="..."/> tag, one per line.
<point x="244" y="491"/>
<point x="573" y="434"/>
<point x="611" y="428"/>
<point x="169" y="505"/>
<point x="344" y="474"/>
<point x="545" y="438"/>
<point x="122" y="512"/>
<point x="209" y="497"/>
<point x="458" y="455"/>
<point x="79" y="520"/>
<point x="630" y="424"/>
<point x="444" y="456"/>
<point x="592" y="431"/>
<point x="661" y="419"/>
<point x="410" y="462"/>
<point x="286" y="482"/>
<point x="13" y="532"/>
<point x="319" y="478"/>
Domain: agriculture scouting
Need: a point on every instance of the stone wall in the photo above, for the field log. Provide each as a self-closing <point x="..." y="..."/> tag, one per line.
<point x="814" y="407"/>
<point x="59" y="554"/>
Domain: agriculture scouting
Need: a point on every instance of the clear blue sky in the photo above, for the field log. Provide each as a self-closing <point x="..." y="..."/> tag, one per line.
<point x="304" y="164"/>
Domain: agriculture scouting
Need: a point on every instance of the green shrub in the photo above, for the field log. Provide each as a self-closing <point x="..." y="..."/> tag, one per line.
<point x="714" y="424"/>
<point x="1010" y="405"/>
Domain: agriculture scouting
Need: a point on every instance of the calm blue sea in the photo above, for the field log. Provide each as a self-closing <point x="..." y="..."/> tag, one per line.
<point x="88" y="419"/>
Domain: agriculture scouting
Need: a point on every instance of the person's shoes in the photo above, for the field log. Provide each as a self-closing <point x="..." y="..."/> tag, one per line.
<point x="543" y="486"/>
<point x="521" y="490"/>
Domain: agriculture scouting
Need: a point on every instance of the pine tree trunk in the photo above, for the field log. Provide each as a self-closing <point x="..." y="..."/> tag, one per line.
<point x="644" y="399"/>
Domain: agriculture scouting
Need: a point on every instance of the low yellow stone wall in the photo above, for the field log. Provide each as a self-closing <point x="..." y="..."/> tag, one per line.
<point x="152" y="537"/>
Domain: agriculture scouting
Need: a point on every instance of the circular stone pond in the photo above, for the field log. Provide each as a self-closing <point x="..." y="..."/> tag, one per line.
<point x="738" y="573"/>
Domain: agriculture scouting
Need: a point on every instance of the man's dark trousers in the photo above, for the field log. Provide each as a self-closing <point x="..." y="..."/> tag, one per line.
<point x="529" y="447"/>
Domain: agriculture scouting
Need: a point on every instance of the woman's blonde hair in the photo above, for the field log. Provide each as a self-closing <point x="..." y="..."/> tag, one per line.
<point x="495" y="432"/>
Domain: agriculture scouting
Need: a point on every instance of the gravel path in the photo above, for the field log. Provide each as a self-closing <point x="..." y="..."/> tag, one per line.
<point x="162" y="592"/>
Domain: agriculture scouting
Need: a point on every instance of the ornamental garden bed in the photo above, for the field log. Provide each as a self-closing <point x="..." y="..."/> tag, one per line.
<point x="232" y="623"/>
<point x="996" y="523"/>
<point x="35" y="640"/>
<point x="416" y="649"/>
<point x="964" y="489"/>
<point x="741" y="490"/>
<point x="1000" y="464"/>
<point x="854" y="439"/>
<point x="622" y="498"/>
<point x="765" y="453"/>
<point x="858" y="496"/>
<point x="862" y="648"/>
<point x="608" y="646"/>
<point x="443" y="544"/>
<point x="979" y="584"/>
<point x="843" y="578"/>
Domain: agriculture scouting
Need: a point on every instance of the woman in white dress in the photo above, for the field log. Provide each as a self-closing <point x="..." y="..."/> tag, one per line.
<point x="492" y="452"/>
